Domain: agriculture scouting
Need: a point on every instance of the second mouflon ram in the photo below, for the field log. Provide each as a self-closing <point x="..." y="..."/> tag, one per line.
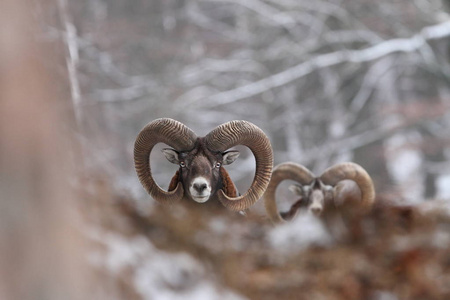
<point x="201" y="177"/>
<point x="343" y="184"/>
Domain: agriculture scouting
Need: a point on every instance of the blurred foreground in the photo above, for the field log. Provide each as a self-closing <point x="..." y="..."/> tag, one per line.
<point x="172" y="253"/>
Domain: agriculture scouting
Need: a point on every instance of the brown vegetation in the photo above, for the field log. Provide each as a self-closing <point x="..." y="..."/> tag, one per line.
<point x="396" y="251"/>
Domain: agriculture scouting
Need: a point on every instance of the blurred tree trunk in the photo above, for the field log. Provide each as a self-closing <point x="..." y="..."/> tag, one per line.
<point x="40" y="253"/>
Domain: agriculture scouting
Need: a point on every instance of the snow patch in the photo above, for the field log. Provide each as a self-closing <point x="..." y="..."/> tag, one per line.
<point x="443" y="187"/>
<point x="405" y="164"/>
<point x="303" y="231"/>
<point x="157" y="275"/>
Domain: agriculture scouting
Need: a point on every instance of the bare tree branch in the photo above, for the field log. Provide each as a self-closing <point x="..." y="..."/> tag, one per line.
<point x="327" y="60"/>
<point x="72" y="58"/>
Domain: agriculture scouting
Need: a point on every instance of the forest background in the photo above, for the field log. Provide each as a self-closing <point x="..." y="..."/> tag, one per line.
<point x="327" y="81"/>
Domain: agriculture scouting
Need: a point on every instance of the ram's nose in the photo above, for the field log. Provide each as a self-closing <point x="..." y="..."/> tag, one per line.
<point x="316" y="210"/>
<point x="200" y="187"/>
<point x="200" y="190"/>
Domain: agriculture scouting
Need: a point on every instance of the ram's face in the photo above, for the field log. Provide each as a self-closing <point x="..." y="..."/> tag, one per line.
<point x="200" y="170"/>
<point x="200" y="175"/>
<point x="313" y="196"/>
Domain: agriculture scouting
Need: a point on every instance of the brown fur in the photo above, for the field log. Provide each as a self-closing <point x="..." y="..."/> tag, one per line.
<point x="228" y="186"/>
<point x="289" y="215"/>
<point x="174" y="181"/>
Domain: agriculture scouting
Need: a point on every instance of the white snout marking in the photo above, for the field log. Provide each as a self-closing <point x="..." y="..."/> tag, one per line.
<point x="316" y="209"/>
<point x="200" y="189"/>
<point x="317" y="201"/>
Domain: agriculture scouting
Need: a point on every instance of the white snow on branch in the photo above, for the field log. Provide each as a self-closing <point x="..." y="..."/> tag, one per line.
<point x="382" y="49"/>
<point x="72" y="58"/>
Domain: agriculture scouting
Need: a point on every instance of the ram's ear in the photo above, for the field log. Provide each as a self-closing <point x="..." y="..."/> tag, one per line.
<point x="230" y="156"/>
<point x="296" y="189"/>
<point x="171" y="155"/>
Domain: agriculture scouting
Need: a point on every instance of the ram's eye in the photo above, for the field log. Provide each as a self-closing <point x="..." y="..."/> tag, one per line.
<point x="182" y="164"/>
<point x="218" y="164"/>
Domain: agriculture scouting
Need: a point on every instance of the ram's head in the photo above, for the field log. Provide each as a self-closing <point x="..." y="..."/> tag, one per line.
<point x="345" y="184"/>
<point x="201" y="176"/>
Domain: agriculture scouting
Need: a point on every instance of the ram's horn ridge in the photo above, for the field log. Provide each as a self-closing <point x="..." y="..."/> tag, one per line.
<point x="281" y="172"/>
<point x="355" y="172"/>
<point x="247" y="134"/>
<point x="170" y="132"/>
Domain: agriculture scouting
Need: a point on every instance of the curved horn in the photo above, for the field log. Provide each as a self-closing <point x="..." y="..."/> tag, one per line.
<point x="170" y="132"/>
<point x="354" y="172"/>
<point x="244" y="133"/>
<point x="282" y="172"/>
